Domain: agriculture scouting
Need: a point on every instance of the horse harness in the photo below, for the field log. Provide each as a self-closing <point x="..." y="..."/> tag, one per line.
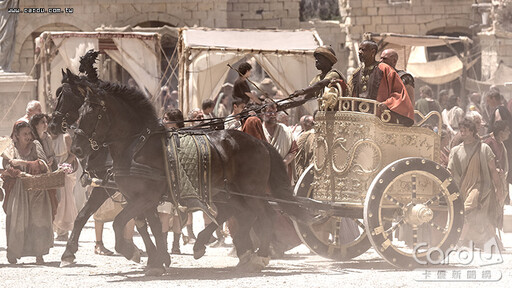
<point x="101" y="113"/>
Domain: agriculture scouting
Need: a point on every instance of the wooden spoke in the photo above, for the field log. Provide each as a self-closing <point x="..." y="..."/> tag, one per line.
<point x="394" y="201"/>
<point x="394" y="227"/>
<point x="414" y="236"/>
<point x="359" y="223"/>
<point x="437" y="197"/>
<point x="437" y="227"/>
<point x="413" y="183"/>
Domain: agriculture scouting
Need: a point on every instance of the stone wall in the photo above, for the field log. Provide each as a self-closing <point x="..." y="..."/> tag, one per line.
<point x="496" y="49"/>
<point x="418" y="17"/>
<point x="283" y="14"/>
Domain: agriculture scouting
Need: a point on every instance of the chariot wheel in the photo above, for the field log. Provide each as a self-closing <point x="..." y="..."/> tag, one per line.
<point x="323" y="237"/>
<point x="413" y="213"/>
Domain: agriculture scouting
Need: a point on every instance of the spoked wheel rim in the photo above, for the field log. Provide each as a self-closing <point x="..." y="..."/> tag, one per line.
<point x="399" y="200"/>
<point x="326" y="237"/>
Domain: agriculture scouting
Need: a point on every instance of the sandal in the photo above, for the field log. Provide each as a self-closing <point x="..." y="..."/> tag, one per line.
<point x="101" y="250"/>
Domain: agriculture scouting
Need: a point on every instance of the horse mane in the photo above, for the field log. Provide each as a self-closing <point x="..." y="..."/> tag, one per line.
<point x="134" y="98"/>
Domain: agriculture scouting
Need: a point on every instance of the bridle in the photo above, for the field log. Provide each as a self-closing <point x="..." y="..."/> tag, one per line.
<point x="102" y="114"/>
<point x="64" y="125"/>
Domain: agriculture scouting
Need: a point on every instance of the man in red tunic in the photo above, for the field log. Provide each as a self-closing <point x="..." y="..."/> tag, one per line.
<point x="379" y="81"/>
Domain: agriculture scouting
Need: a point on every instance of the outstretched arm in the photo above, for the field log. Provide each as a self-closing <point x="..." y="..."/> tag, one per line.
<point x="303" y="95"/>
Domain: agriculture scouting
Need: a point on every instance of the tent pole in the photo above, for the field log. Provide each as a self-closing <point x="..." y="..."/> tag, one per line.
<point x="463" y="93"/>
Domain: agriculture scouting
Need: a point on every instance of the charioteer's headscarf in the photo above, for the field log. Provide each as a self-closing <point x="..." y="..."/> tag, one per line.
<point x="327" y="52"/>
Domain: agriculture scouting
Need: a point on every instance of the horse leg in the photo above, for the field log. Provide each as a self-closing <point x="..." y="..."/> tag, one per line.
<point x="160" y="255"/>
<point x="224" y="212"/>
<point x="98" y="196"/>
<point x="265" y="230"/>
<point x="241" y="237"/>
<point x="262" y="223"/>
<point x="142" y="228"/>
<point x="123" y="246"/>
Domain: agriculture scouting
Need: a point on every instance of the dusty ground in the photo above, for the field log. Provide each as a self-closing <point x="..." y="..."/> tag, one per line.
<point x="300" y="268"/>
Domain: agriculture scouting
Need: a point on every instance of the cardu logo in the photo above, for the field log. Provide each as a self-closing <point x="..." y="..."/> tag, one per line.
<point x="477" y="262"/>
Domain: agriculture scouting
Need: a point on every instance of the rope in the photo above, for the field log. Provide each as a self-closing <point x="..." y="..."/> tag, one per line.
<point x="169" y="62"/>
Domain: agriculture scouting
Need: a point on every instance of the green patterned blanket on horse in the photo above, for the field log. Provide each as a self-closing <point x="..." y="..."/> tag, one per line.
<point x="188" y="165"/>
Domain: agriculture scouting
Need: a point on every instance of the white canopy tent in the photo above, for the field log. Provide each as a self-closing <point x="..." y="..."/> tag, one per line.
<point x="286" y="56"/>
<point x="137" y="52"/>
<point x="412" y="56"/>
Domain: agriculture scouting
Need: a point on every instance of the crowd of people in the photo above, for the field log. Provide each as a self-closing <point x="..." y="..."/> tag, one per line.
<point x="476" y="148"/>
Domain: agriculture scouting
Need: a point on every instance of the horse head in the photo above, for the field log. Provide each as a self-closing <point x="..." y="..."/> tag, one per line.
<point x="93" y="126"/>
<point x="133" y="112"/>
<point x="70" y="96"/>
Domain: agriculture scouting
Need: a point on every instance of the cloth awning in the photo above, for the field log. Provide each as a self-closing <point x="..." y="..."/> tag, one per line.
<point x="501" y="78"/>
<point x="412" y="55"/>
<point x="137" y="52"/>
<point x="286" y="56"/>
<point x="434" y="72"/>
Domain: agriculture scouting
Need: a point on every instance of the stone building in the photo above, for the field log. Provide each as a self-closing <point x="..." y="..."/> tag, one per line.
<point x="423" y="17"/>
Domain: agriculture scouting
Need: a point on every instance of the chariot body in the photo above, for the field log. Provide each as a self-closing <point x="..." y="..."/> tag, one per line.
<point x="383" y="178"/>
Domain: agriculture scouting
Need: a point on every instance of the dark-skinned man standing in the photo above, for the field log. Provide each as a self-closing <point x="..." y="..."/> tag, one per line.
<point x="379" y="81"/>
<point x="325" y="58"/>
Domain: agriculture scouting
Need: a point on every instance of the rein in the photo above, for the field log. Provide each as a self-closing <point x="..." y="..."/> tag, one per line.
<point x="219" y="120"/>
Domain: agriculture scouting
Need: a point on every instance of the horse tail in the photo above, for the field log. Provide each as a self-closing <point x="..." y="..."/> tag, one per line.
<point x="281" y="188"/>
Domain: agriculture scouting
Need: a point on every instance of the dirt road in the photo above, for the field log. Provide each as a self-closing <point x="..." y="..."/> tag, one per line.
<point x="298" y="269"/>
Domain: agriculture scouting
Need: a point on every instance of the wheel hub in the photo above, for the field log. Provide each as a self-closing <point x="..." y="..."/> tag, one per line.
<point x="417" y="214"/>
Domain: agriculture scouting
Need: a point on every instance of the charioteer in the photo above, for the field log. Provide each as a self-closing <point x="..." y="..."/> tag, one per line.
<point x="325" y="58"/>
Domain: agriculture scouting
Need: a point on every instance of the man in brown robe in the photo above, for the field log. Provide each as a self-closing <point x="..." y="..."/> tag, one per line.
<point x="472" y="164"/>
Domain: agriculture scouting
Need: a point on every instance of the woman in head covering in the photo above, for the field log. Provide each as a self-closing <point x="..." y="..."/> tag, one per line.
<point x="29" y="213"/>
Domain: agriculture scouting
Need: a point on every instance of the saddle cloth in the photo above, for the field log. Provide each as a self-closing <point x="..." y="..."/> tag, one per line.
<point x="188" y="161"/>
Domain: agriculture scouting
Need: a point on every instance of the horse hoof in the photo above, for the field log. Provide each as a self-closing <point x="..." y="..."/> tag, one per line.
<point x="250" y="262"/>
<point x="155" y="272"/>
<point x="199" y="253"/>
<point x="136" y="256"/>
<point x="244" y="258"/>
<point x="249" y="267"/>
<point x="66" y="262"/>
<point x="264" y="260"/>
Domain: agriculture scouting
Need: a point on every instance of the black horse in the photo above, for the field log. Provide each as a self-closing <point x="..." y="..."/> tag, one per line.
<point x="69" y="99"/>
<point x="242" y="167"/>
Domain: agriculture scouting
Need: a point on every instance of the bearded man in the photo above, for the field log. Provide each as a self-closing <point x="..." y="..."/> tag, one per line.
<point x="379" y="81"/>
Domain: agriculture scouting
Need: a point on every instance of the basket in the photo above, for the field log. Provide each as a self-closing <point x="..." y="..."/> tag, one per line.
<point x="46" y="181"/>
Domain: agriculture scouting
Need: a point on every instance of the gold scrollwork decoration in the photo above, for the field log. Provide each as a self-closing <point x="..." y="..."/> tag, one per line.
<point x="367" y="149"/>
<point x="320" y="157"/>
